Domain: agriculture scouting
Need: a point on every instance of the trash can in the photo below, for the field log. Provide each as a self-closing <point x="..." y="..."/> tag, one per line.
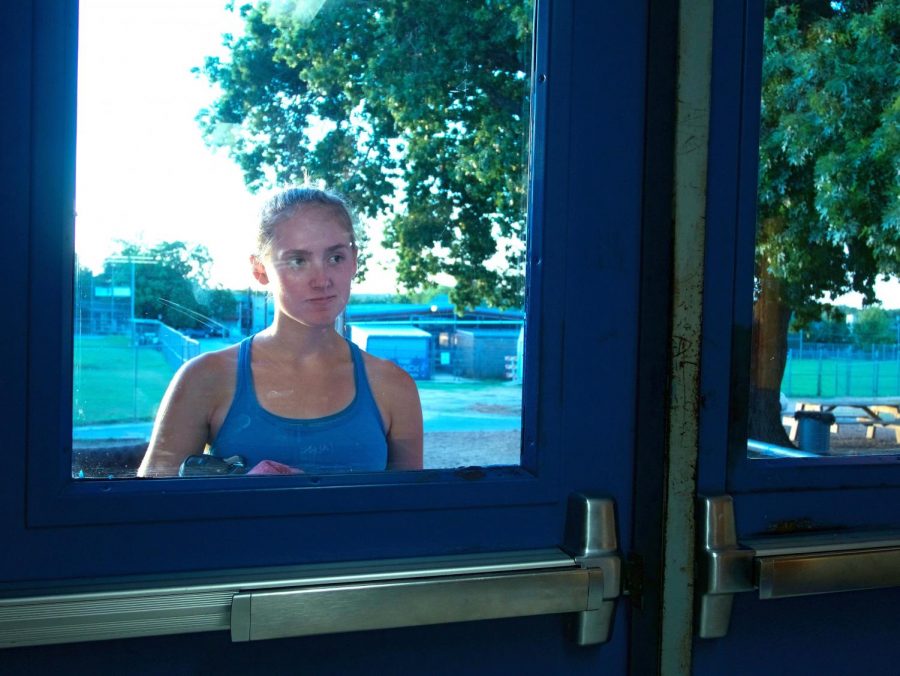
<point x="814" y="430"/>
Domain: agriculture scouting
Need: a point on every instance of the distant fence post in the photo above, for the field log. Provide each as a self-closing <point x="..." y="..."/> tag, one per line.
<point x="837" y="378"/>
<point x="819" y="375"/>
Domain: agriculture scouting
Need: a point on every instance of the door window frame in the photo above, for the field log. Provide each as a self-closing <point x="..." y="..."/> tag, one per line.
<point x="728" y="286"/>
<point x="54" y="499"/>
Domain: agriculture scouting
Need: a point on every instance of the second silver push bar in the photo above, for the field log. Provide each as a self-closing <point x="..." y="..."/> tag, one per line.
<point x="784" y="566"/>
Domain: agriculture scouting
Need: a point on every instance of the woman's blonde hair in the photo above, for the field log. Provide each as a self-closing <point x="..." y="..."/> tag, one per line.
<point x="282" y="205"/>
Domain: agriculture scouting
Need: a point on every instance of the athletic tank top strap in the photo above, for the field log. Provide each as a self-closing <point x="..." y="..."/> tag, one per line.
<point x="244" y="374"/>
<point x="353" y="439"/>
<point x="364" y="393"/>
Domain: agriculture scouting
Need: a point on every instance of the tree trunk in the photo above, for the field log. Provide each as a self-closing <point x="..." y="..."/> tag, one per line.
<point x="768" y="357"/>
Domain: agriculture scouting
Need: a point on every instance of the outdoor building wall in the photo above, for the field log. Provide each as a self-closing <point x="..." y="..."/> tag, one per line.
<point x="483" y="354"/>
<point x="408" y="347"/>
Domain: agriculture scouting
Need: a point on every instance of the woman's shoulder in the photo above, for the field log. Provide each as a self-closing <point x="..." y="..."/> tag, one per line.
<point x="383" y="367"/>
<point x="385" y="372"/>
<point x="397" y="397"/>
<point x="210" y="369"/>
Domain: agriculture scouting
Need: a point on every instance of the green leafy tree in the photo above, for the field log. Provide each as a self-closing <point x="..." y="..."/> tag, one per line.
<point x="873" y="326"/>
<point x="165" y="278"/>
<point x="221" y="305"/>
<point x="831" y="328"/>
<point x="426" y="296"/>
<point x="829" y="198"/>
<point x="417" y="110"/>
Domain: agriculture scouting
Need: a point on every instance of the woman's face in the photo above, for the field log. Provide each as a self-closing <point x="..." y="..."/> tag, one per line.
<point x="310" y="265"/>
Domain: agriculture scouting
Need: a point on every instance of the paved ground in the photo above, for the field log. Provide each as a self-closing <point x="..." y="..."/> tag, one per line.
<point x="468" y="449"/>
<point x="851" y="440"/>
<point x="471" y="424"/>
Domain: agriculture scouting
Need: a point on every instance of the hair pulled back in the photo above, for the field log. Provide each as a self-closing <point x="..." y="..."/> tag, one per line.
<point x="284" y="204"/>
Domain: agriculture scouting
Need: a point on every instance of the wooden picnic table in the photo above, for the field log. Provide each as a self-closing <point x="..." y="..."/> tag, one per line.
<point x="874" y="412"/>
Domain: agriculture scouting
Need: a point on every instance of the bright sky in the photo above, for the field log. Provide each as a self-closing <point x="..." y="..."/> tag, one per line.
<point x="143" y="170"/>
<point x="888" y="292"/>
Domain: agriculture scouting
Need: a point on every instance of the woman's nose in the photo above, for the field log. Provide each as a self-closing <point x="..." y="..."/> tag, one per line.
<point x="319" y="278"/>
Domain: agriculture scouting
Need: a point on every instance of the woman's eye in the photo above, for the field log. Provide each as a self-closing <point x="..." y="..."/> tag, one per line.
<point x="337" y="258"/>
<point x="296" y="262"/>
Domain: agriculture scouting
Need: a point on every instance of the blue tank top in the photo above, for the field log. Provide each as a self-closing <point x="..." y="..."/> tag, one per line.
<point x="351" y="440"/>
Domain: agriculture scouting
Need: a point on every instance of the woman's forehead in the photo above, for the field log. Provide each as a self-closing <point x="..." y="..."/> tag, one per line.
<point x="316" y="224"/>
<point x="314" y="212"/>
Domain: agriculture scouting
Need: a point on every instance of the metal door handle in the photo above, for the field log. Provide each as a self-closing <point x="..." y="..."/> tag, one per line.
<point x="382" y="605"/>
<point x="586" y="581"/>
<point x="784" y="566"/>
<point x="256" y="604"/>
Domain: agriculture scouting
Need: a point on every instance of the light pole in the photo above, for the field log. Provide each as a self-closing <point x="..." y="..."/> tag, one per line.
<point x="132" y="259"/>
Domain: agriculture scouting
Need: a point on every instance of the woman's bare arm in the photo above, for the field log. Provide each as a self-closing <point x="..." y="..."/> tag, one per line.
<point x="182" y="425"/>
<point x="405" y="435"/>
<point x="398" y="401"/>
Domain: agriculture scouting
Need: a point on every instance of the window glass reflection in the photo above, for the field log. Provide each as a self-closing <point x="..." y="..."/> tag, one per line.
<point x="424" y="134"/>
<point x="825" y="366"/>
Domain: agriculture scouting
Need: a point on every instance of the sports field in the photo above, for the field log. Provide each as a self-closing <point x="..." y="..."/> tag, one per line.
<point x="841" y="378"/>
<point x="114" y="381"/>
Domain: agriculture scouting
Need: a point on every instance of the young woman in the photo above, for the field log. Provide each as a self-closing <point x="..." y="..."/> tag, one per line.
<point x="296" y="396"/>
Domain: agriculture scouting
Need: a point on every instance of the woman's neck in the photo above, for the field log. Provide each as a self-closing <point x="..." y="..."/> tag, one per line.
<point x="299" y="339"/>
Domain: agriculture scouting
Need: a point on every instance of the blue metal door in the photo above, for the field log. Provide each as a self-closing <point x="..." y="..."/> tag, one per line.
<point x="594" y="351"/>
<point x="796" y="571"/>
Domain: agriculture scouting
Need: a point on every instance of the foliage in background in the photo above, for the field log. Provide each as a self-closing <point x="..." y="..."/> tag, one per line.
<point x="423" y="297"/>
<point x="417" y="110"/>
<point x="829" y="198"/>
<point x="874" y="326"/>
<point x="170" y="283"/>
<point x="844" y="326"/>
<point x="220" y="304"/>
<point x="831" y="327"/>
<point x="829" y="194"/>
<point x="164" y="287"/>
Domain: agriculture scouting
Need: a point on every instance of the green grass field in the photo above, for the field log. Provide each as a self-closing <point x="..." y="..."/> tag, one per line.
<point x="841" y="378"/>
<point x="115" y="382"/>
